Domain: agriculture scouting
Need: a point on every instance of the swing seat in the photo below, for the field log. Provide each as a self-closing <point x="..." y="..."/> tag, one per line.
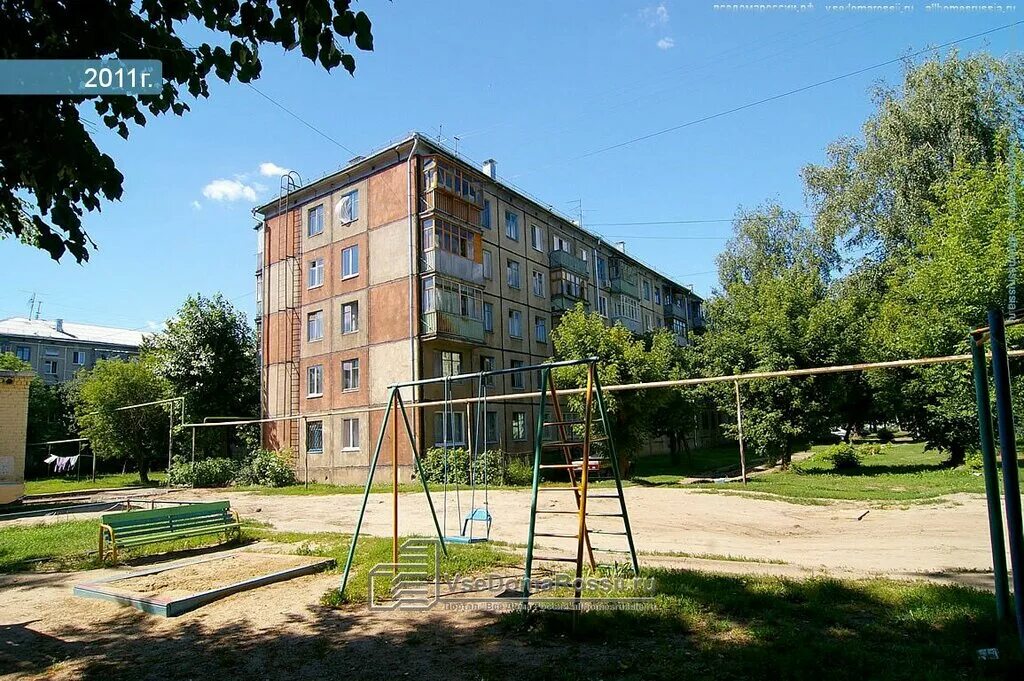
<point x="477" y="515"/>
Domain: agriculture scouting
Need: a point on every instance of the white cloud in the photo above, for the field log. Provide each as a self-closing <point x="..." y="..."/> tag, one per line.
<point x="229" y="190"/>
<point x="196" y="205"/>
<point x="269" y="169"/>
<point x="655" y="15"/>
<point x="666" y="43"/>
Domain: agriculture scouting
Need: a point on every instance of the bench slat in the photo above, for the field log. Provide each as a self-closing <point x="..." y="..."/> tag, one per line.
<point x="132" y="517"/>
<point x="136" y="528"/>
<point x="168" y="536"/>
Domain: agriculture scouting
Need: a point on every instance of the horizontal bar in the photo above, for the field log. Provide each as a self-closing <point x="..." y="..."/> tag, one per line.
<point x="494" y="372"/>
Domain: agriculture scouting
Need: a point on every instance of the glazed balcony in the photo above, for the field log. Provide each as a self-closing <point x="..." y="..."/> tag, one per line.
<point x="675" y="311"/>
<point x="458" y="207"/>
<point x="562" y="303"/>
<point x="437" y="261"/>
<point x="625" y="286"/>
<point x="452" y="326"/>
<point x="568" y="261"/>
<point x="631" y="324"/>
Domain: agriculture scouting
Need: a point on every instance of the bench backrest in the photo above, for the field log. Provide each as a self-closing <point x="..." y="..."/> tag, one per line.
<point x="184" y="517"/>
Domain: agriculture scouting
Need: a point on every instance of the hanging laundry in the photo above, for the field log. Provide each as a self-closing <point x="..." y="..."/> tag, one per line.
<point x="50" y="459"/>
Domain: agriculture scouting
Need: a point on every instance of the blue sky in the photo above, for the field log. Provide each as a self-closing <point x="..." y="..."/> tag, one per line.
<point x="538" y="86"/>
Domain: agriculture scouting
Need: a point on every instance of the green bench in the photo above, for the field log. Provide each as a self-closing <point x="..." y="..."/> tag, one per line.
<point x="137" y="528"/>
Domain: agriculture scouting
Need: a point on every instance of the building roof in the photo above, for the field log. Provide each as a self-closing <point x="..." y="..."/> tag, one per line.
<point x="72" y="332"/>
<point x="374" y="157"/>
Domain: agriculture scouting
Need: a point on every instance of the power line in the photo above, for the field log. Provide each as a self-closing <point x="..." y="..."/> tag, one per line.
<point x="790" y="93"/>
<point x="670" y="238"/>
<point x="300" y="119"/>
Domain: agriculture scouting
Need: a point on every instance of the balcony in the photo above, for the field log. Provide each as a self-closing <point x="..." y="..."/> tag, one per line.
<point x="568" y="261"/>
<point x="624" y="286"/>
<point x="675" y="311"/>
<point x="438" y="261"/>
<point x="459" y="207"/>
<point x="563" y="303"/>
<point x="631" y="324"/>
<point x="453" y="327"/>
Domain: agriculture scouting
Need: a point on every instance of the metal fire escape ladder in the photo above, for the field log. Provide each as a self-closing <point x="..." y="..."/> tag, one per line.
<point x="290" y="289"/>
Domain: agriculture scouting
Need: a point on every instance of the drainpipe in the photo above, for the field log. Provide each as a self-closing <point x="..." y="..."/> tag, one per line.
<point x="413" y="271"/>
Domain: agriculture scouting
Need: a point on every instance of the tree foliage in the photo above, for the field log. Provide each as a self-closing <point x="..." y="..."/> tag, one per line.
<point x="51" y="170"/>
<point x="140" y="434"/>
<point x="49" y="412"/>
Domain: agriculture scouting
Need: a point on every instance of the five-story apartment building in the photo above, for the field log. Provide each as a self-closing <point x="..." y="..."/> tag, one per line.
<point x="411" y="263"/>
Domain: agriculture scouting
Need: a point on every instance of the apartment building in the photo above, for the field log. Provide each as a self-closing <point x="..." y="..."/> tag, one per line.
<point x="412" y="263"/>
<point x="58" y="349"/>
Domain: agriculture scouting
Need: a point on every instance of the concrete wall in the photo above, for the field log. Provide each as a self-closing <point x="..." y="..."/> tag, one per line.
<point x="13" y="430"/>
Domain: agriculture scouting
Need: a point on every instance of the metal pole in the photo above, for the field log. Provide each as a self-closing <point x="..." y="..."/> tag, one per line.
<point x="988" y="457"/>
<point x="394" y="491"/>
<point x="93" y="455"/>
<point x="193" y="447"/>
<point x="419" y="469"/>
<point x="545" y="377"/>
<point x="305" y="456"/>
<point x="739" y="432"/>
<point x="170" y="438"/>
<point x="366" y="492"/>
<point x="1008" y="450"/>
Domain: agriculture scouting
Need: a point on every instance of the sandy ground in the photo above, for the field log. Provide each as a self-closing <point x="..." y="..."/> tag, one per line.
<point x="942" y="539"/>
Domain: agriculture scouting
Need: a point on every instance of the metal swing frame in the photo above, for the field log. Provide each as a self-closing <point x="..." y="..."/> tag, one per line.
<point x="395" y="405"/>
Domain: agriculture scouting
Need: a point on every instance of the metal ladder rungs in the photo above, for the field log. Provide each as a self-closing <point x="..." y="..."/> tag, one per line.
<point x="554" y="559"/>
<point x="621" y="534"/>
<point x="603" y="496"/>
<point x="559" y="512"/>
<point x="558" y="489"/>
<point x="556" y="535"/>
<point x="558" y="465"/>
<point x="564" y="423"/>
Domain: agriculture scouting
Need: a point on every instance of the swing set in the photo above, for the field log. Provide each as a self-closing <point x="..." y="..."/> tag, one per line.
<point x="575" y="447"/>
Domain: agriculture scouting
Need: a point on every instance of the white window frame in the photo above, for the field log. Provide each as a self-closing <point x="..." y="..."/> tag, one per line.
<point x="536" y="237"/>
<point x="540" y="329"/>
<point x="350" y="435"/>
<point x="515" y="324"/>
<point x="315" y="276"/>
<point x="456" y="427"/>
<point x="449" y="362"/>
<point x="512" y="266"/>
<point x="353" y="316"/>
<point x="24" y="353"/>
<point x="602" y="306"/>
<point x="537" y="280"/>
<point x="350" y="375"/>
<point x="488" y="317"/>
<point x="78" y="357"/>
<point x="519" y="426"/>
<point x="348" y="207"/>
<point x="488" y="265"/>
<point x="512" y="225"/>
<point x="518" y="377"/>
<point x="315" y="320"/>
<point x="315" y="381"/>
<point x="50" y="367"/>
<point x="315" y="221"/>
<point x="350" y="262"/>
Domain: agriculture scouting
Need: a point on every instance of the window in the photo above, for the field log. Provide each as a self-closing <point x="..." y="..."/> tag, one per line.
<point x="679" y="326"/>
<point x="50" y="367"/>
<point x="511" y="225"/>
<point x="657" y="295"/>
<point x="350" y="374"/>
<point x="512" y="270"/>
<point x="489" y="317"/>
<point x="350" y="317"/>
<point x="78" y="358"/>
<point x="449" y="363"/>
<point x="350" y="435"/>
<point x="51" y="352"/>
<point x="518" y="379"/>
<point x="315" y="325"/>
<point x="602" y="271"/>
<point x="536" y="238"/>
<point x="487" y="364"/>
<point x="449" y="237"/>
<point x="451" y="430"/>
<point x="485" y="215"/>
<point x="488" y="265"/>
<point x="315" y="381"/>
<point x="626" y="306"/>
<point x="538" y="283"/>
<point x="348" y="207"/>
<point x="648" y="325"/>
<point x="438" y="174"/>
<point x="519" y="426"/>
<point x="24" y="353"/>
<point x="446" y="295"/>
<point x="515" y="323"/>
<point x="491" y="426"/>
<point x="316" y="273"/>
<point x="647" y="289"/>
<point x="560" y="244"/>
<point x="350" y="262"/>
<point x="540" y="329"/>
<point x="259" y="290"/>
<point x="602" y="305"/>
<point x="315" y="437"/>
<point x="315" y="221"/>
<point x="567" y="284"/>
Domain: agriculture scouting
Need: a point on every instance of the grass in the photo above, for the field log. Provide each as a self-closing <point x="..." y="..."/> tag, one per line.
<point x="753" y="627"/>
<point x="705" y="462"/>
<point x="103" y="481"/>
<point x="903" y="472"/>
<point x="72" y="545"/>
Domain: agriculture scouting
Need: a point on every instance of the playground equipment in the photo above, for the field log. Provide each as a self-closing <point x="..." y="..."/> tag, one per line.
<point x="574" y="436"/>
<point x="477" y="446"/>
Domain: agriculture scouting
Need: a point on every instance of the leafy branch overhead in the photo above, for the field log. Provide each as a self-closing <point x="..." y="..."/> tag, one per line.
<point x="52" y="172"/>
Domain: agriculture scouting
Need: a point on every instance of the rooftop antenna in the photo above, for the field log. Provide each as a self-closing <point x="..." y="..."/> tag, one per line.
<point x="39" y="306"/>
<point x="456" y="138"/>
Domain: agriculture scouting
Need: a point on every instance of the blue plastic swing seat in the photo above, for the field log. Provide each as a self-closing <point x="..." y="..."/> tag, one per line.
<point x="477" y="515"/>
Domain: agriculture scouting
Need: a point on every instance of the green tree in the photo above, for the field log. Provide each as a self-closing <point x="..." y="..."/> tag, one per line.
<point x="874" y="193"/>
<point x="49" y="413"/>
<point x="624" y="358"/>
<point x="51" y="170"/>
<point x="207" y="354"/>
<point x="140" y="434"/>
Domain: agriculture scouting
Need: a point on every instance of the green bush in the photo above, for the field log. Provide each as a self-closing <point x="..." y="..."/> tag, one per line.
<point x="884" y="435"/>
<point x="217" y="472"/>
<point x="973" y="462"/>
<point x="518" y="472"/>
<point x="268" y="469"/>
<point x="488" y="466"/>
<point x="843" y="457"/>
<point x="870" y="449"/>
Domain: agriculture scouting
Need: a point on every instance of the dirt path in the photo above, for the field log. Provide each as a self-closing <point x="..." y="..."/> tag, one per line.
<point x="942" y="538"/>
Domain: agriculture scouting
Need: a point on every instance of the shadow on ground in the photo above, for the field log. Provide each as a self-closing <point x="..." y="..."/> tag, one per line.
<point x="725" y="627"/>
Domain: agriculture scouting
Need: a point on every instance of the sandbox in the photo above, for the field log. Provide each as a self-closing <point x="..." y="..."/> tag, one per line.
<point x="174" y="588"/>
